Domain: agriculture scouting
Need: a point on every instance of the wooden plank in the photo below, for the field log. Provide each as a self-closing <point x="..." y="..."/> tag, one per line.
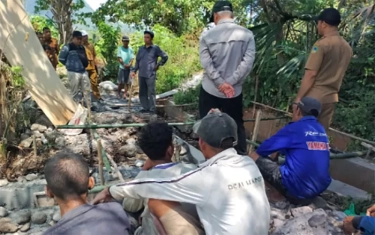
<point x="22" y="48"/>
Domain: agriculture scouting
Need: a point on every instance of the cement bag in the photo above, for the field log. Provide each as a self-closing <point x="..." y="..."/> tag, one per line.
<point x="108" y="85"/>
<point x="79" y="118"/>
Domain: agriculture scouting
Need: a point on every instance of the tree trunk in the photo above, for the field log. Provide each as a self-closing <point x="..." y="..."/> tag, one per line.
<point x="61" y="10"/>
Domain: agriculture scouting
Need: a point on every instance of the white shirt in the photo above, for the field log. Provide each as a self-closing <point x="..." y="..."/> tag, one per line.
<point x="227" y="189"/>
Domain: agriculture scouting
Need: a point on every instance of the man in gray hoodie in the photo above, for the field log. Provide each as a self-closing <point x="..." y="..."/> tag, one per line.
<point x="73" y="56"/>
<point x="227" y="54"/>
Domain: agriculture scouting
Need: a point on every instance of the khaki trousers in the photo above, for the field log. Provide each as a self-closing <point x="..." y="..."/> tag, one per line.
<point x="326" y="115"/>
<point x="93" y="75"/>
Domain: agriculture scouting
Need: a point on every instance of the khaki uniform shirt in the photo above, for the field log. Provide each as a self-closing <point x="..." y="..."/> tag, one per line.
<point x="54" y="45"/>
<point x="91" y="54"/>
<point x="330" y="57"/>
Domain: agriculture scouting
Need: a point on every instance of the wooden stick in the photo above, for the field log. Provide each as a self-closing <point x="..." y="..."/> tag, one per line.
<point x="100" y="162"/>
<point x="256" y="94"/>
<point x="118" y="172"/>
<point x="256" y="129"/>
<point x="34" y="146"/>
<point x="130" y="96"/>
<point x="89" y="112"/>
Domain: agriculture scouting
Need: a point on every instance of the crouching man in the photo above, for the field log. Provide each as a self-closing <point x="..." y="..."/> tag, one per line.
<point x="176" y="218"/>
<point x="68" y="182"/>
<point x="228" y="189"/>
<point x="304" y="142"/>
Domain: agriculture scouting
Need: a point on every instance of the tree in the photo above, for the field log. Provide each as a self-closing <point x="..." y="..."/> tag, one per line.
<point x="65" y="13"/>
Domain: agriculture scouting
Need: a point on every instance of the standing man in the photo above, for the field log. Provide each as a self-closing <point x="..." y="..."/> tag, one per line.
<point x="147" y="64"/>
<point x="326" y="66"/>
<point x="53" y="44"/>
<point x="125" y="56"/>
<point x="73" y="56"/>
<point x="91" y="68"/>
<point x="227" y="54"/>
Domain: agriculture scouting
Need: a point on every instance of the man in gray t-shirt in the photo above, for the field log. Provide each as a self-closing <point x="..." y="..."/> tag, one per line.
<point x="68" y="182"/>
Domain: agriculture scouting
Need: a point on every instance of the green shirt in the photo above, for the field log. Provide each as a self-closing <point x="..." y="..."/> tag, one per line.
<point x="126" y="54"/>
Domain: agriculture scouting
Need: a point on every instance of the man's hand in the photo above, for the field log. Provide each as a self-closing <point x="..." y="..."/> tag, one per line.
<point x="132" y="74"/>
<point x="103" y="196"/>
<point x="156" y="68"/>
<point x="371" y="211"/>
<point x="227" y="89"/>
<point x="348" y="225"/>
<point x="127" y="66"/>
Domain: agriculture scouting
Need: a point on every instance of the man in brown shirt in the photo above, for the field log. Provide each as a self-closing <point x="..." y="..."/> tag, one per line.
<point x="53" y="44"/>
<point x="326" y="66"/>
<point x="91" y="68"/>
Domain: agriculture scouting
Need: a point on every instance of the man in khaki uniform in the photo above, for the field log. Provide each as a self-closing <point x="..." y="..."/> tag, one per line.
<point x="326" y="66"/>
<point x="91" y="68"/>
<point x="53" y="45"/>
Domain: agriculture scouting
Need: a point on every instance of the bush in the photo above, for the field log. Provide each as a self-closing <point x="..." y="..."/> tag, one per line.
<point x="188" y="96"/>
<point x="183" y="58"/>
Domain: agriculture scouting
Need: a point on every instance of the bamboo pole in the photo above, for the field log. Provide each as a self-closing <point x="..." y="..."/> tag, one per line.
<point x="100" y="162"/>
<point x="34" y="146"/>
<point x="118" y="172"/>
<point x="256" y="129"/>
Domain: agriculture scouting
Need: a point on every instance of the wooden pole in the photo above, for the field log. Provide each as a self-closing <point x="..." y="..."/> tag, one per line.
<point x="34" y="146"/>
<point x="256" y="129"/>
<point x="118" y="172"/>
<point x="100" y="162"/>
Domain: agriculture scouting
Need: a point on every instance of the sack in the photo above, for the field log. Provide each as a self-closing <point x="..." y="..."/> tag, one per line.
<point x="79" y="118"/>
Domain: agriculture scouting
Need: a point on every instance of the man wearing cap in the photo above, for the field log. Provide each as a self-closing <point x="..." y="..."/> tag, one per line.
<point x="227" y="54"/>
<point x="53" y="44"/>
<point x="147" y="64"/>
<point x="91" y="69"/>
<point x="73" y="56"/>
<point x="326" y="66"/>
<point x="228" y="189"/>
<point x="125" y="56"/>
<point x="304" y="142"/>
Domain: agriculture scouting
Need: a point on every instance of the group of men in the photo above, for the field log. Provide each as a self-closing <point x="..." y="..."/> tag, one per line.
<point x="225" y="194"/>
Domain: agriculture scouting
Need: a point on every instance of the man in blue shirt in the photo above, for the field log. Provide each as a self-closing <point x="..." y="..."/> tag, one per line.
<point x="366" y="224"/>
<point x="125" y="56"/>
<point x="304" y="142"/>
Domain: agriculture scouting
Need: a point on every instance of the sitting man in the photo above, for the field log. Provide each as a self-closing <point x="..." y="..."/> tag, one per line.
<point x="68" y="182"/>
<point x="304" y="142"/>
<point x="227" y="189"/>
<point x="366" y="224"/>
<point x="176" y="218"/>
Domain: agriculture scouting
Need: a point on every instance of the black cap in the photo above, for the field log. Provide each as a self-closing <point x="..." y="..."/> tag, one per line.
<point x="125" y="38"/>
<point x="77" y="34"/>
<point x="217" y="129"/>
<point x="221" y="6"/>
<point x="331" y="16"/>
<point x="310" y="106"/>
<point x="150" y="33"/>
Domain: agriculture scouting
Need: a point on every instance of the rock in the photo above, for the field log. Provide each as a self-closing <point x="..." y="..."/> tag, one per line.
<point x="21" y="179"/>
<point x="39" y="218"/>
<point x="21" y="217"/>
<point x="338" y="215"/>
<point x="26" y="143"/>
<point x="25" y="227"/>
<point x="3" y="182"/>
<point x="139" y="163"/>
<point x="301" y="211"/>
<point x="130" y="149"/>
<point x="317" y="220"/>
<point x="37" y="134"/>
<point x="277" y="214"/>
<point x="24" y="136"/>
<point x="319" y="202"/>
<point x="3" y="212"/>
<point x="6" y="226"/>
<point x="31" y="177"/>
<point x="60" y="142"/>
<point x="281" y="204"/>
<point x="56" y="216"/>
<point x="38" y="127"/>
<point x="277" y="223"/>
<point x="28" y="132"/>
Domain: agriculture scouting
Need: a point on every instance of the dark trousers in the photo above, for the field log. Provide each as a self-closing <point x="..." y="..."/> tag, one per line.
<point x="232" y="107"/>
<point x="147" y="93"/>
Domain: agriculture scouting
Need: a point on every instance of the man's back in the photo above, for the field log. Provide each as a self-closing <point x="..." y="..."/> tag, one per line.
<point x="227" y="44"/>
<point x="306" y="169"/>
<point x="331" y="56"/>
<point x="106" y="218"/>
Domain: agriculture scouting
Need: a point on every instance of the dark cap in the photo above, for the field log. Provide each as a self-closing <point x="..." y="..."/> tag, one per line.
<point x="310" y="106"/>
<point x="125" y="38"/>
<point x="331" y="16"/>
<point x="221" y="6"/>
<point x="77" y="34"/>
<point x="150" y="33"/>
<point x="217" y="129"/>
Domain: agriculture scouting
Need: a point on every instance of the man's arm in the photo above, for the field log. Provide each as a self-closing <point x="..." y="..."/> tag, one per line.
<point x="207" y="63"/>
<point x="163" y="55"/>
<point x="188" y="188"/>
<point x="246" y="65"/>
<point x="136" y="66"/>
<point x="281" y="140"/>
<point x="64" y="54"/>
<point x="311" y="70"/>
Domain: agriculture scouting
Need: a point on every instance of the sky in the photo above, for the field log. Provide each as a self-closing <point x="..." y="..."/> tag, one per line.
<point x="95" y="4"/>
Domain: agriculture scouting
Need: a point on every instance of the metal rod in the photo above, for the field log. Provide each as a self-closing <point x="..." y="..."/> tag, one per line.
<point x="99" y="126"/>
<point x="256" y="129"/>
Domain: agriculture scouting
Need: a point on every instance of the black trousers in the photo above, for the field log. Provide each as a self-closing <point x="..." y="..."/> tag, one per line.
<point x="232" y="107"/>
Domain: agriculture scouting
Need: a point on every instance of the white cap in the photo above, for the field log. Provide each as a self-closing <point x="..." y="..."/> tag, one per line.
<point x="84" y="33"/>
